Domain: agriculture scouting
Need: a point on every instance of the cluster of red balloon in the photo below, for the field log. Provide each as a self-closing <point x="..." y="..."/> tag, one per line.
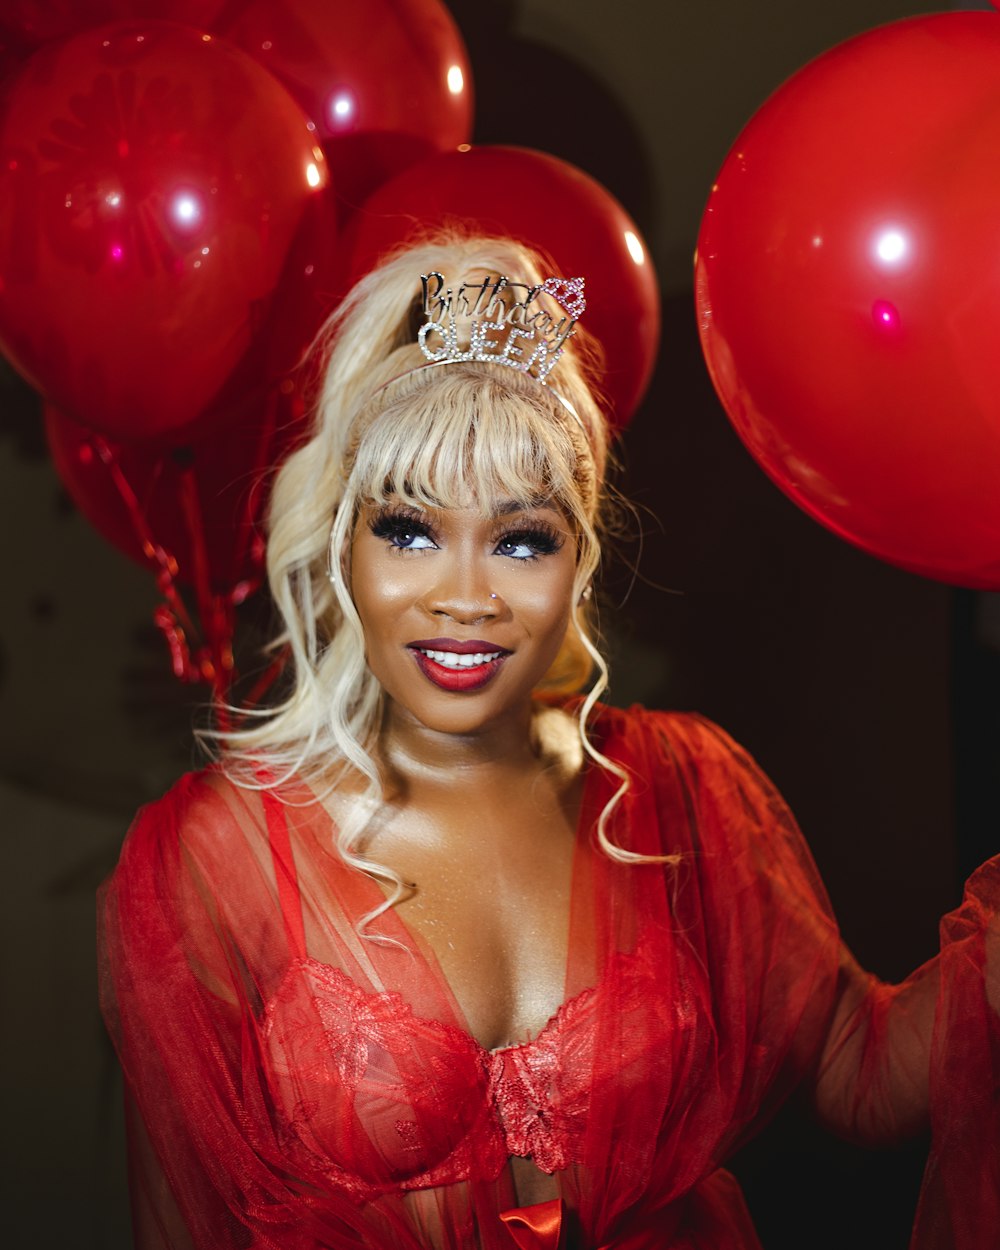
<point x="848" y="291"/>
<point x="183" y="185"/>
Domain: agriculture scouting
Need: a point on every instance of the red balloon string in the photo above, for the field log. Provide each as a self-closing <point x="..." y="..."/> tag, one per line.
<point x="215" y="657"/>
<point x="196" y="655"/>
<point x="180" y="653"/>
<point x="151" y="549"/>
<point x="284" y="409"/>
<point x="200" y="639"/>
<point x="266" y="680"/>
<point x="171" y="618"/>
<point x="263" y="460"/>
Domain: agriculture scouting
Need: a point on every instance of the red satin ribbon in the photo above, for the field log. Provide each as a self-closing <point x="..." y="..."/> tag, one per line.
<point x="541" y="1228"/>
<point x="538" y="1227"/>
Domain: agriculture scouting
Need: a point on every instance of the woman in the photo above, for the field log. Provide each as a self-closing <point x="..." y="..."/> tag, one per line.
<point x="439" y="956"/>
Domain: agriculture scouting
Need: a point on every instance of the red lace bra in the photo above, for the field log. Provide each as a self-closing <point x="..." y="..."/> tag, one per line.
<point x="381" y="1098"/>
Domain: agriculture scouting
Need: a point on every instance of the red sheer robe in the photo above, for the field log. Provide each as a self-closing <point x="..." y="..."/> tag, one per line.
<point x="301" y="1088"/>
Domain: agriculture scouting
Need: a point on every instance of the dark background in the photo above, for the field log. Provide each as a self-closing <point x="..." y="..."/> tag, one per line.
<point x="868" y="694"/>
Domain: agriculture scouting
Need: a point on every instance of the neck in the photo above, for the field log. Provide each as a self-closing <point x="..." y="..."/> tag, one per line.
<point x="410" y="751"/>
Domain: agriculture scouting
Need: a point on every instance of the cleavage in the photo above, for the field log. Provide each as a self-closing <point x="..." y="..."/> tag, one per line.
<point x="491" y="910"/>
<point x="500" y="946"/>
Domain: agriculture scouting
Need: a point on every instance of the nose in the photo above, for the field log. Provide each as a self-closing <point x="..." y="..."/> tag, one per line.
<point x="462" y="591"/>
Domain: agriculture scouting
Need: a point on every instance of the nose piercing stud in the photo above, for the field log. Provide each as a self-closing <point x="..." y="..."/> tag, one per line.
<point x="492" y="595"/>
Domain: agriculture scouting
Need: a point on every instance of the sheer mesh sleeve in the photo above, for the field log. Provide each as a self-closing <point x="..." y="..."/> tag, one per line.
<point x="883" y="1060"/>
<point x="960" y="1202"/>
<point x="157" y="1224"/>
<point x="898" y="1057"/>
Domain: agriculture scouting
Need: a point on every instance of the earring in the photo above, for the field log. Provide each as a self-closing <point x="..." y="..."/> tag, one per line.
<point x="586" y="593"/>
<point x="332" y="576"/>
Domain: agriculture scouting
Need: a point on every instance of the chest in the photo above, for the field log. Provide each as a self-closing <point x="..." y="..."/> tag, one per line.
<point x="490" y="903"/>
<point x="360" y="1035"/>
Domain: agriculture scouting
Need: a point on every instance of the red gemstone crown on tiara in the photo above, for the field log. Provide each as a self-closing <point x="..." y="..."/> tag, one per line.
<point x="500" y="322"/>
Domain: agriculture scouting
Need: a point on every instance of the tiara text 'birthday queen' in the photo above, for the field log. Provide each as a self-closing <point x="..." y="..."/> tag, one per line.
<point x="500" y="322"/>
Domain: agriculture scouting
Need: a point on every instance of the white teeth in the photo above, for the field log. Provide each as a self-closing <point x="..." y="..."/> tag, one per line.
<point x="451" y="659"/>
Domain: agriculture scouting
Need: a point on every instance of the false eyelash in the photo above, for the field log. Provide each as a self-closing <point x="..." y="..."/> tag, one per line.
<point x="545" y="539"/>
<point x="391" y="522"/>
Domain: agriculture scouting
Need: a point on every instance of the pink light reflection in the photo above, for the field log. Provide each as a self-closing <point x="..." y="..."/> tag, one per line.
<point x="885" y="315"/>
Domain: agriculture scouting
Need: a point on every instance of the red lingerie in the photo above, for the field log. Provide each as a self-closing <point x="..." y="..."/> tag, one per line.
<point x="303" y="1088"/>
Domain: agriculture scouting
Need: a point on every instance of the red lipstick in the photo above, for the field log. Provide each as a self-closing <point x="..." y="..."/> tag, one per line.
<point x="458" y="679"/>
<point x="469" y="647"/>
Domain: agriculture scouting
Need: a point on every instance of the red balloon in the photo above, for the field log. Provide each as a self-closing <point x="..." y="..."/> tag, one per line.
<point x="551" y="205"/>
<point x="12" y="56"/>
<point x="166" y="233"/>
<point x="34" y="21"/>
<point x="387" y="82"/>
<point x="849" y="295"/>
<point x="134" y="494"/>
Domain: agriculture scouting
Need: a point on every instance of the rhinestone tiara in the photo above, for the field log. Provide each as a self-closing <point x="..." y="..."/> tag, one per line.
<point x="500" y="322"/>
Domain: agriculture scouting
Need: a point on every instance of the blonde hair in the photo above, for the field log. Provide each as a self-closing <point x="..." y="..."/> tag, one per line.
<point x="432" y="437"/>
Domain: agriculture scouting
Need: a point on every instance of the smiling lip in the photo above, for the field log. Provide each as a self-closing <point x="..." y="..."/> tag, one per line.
<point x="458" y="678"/>
<point x="470" y="647"/>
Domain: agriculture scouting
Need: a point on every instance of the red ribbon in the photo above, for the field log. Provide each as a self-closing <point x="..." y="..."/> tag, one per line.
<point x="538" y="1227"/>
<point x="541" y="1228"/>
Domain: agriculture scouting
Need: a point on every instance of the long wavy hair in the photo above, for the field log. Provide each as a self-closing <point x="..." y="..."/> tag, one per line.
<point x="431" y="437"/>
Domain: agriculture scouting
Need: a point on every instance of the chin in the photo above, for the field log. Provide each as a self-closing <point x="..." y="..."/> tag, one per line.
<point x="449" y="712"/>
<point x="461" y="714"/>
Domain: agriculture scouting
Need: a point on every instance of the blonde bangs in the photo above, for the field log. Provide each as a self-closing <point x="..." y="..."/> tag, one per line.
<point x="464" y="435"/>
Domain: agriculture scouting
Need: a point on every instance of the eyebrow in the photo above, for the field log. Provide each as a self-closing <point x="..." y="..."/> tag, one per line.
<point x="507" y="506"/>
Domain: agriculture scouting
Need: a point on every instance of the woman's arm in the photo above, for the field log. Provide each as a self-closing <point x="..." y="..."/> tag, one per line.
<point x="881" y="1061"/>
<point x="872" y="1081"/>
<point x="157" y="1223"/>
<point x="928" y="1051"/>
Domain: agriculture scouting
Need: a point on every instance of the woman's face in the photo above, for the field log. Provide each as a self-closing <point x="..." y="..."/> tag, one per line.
<point x="463" y="611"/>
